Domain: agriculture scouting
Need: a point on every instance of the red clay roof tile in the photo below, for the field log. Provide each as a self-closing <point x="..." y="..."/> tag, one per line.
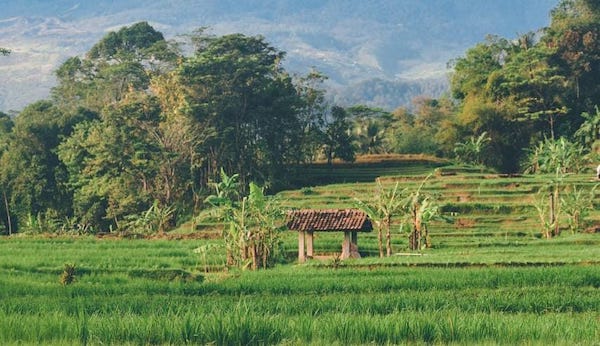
<point x="329" y="220"/>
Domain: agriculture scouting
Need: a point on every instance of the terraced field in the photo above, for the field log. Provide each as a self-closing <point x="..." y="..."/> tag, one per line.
<point x="483" y="210"/>
<point x="489" y="278"/>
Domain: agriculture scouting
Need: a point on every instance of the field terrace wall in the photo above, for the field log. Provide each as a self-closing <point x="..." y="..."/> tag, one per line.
<point x="308" y="221"/>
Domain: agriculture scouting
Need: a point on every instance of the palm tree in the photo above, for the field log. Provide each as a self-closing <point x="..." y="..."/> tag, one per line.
<point x="369" y="135"/>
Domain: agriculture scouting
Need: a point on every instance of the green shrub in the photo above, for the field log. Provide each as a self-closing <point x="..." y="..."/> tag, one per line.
<point x="68" y="275"/>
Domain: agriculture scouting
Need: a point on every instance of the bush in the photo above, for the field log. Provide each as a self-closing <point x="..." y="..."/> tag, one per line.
<point x="68" y="275"/>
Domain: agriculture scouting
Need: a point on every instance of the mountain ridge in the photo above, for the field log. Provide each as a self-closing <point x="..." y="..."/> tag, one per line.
<point x="401" y="42"/>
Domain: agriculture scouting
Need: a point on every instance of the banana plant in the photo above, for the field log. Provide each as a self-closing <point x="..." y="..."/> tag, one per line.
<point x="386" y="204"/>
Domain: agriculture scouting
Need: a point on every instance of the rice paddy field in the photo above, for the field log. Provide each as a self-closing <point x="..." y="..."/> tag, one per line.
<point x="489" y="278"/>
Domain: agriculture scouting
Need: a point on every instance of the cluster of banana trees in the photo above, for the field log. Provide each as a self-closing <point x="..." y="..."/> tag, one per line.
<point x="559" y="158"/>
<point x="252" y="223"/>
<point x="413" y="208"/>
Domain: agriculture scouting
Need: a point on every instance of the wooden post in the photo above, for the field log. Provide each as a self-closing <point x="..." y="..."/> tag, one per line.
<point x="301" y="254"/>
<point x="346" y="245"/>
<point x="309" y="244"/>
<point x="354" y="245"/>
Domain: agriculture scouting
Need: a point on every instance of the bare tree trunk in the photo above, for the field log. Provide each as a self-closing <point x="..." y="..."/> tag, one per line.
<point x="9" y="223"/>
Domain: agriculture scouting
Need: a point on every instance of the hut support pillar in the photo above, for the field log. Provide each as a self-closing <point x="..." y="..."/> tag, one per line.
<point x="350" y="245"/>
<point x="309" y="244"/>
<point x="346" y="246"/>
<point x="301" y="253"/>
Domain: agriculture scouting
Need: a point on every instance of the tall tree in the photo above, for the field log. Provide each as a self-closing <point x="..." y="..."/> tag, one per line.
<point x="471" y="72"/>
<point x="31" y="171"/>
<point x="121" y="61"/>
<point x="113" y="163"/>
<point x="6" y="126"/>
<point x="534" y="85"/>
<point x="574" y="34"/>
<point x="236" y="89"/>
<point x="338" y="137"/>
<point x="369" y="126"/>
<point x="311" y="114"/>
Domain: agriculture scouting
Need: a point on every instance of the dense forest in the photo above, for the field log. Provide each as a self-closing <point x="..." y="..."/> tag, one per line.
<point x="141" y="126"/>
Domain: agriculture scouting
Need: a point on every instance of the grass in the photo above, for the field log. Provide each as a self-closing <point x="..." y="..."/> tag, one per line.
<point x="308" y="305"/>
<point x="488" y="280"/>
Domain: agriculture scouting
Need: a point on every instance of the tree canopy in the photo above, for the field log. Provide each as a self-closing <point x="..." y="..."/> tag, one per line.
<point x="139" y="126"/>
<point x="136" y="126"/>
<point x="537" y="86"/>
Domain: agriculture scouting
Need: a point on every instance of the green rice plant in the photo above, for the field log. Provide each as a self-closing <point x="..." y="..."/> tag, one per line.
<point x="490" y="283"/>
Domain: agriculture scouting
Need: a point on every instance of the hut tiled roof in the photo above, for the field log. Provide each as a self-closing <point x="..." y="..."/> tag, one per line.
<point x="329" y="220"/>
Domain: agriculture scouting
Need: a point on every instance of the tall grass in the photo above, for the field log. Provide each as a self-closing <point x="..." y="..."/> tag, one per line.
<point x="305" y="305"/>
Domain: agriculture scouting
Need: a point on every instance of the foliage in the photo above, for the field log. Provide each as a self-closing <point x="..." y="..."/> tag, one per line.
<point x="471" y="151"/>
<point x="252" y="224"/>
<point x="338" y="139"/>
<point x="155" y="219"/>
<point x="68" y="275"/>
<point x="113" y="164"/>
<point x="386" y="205"/>
<point x="312" y="111"/>
<point x="4" y="51"/>
<point x="236" y="88"/>
<point x="576" y="204"/>
<point x="369" y="125"/>
<point x="588" y="132"/>
<point x="30" y="171"/>
<point x="427" y="129"/>
<point x="559" y="156"/>
<point x="479" y="304"/>
<point x="420" y="209"/>
<point x="537" y="86"/>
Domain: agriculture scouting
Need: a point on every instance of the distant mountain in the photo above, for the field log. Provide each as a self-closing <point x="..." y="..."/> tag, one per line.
<point x="378" y="52"/>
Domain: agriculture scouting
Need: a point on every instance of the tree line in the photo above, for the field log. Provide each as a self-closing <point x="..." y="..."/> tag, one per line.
<point x="139" y="128"/>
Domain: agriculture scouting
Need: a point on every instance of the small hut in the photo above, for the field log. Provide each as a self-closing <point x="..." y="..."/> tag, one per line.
<point x="308" y="221"/>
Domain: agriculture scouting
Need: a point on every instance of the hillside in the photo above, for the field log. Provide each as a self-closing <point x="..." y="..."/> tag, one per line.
<point x="400" y="48"/>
